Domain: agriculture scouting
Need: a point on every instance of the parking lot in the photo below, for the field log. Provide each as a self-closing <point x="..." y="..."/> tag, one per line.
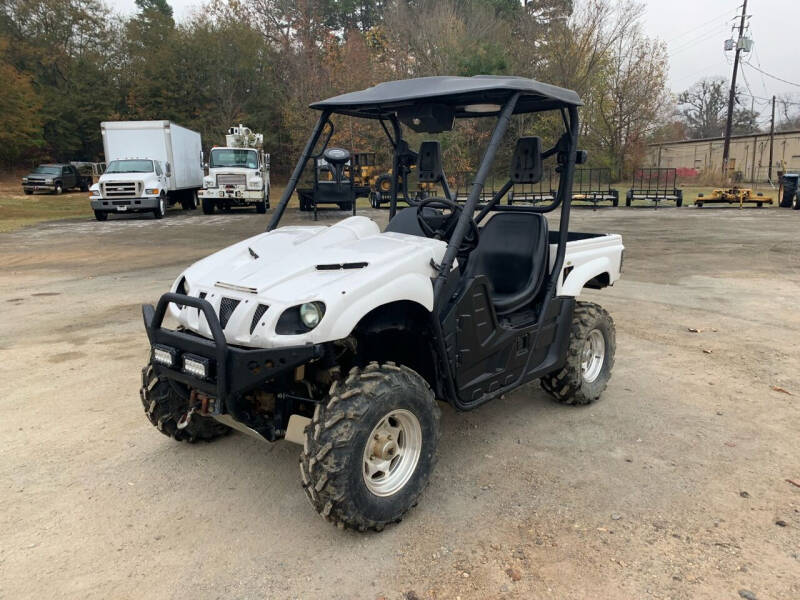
<point x="677" y="484"/>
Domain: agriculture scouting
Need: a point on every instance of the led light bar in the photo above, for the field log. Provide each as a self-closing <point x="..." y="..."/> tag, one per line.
<point x="164" y="355"/>
<point x="198" y="366"/>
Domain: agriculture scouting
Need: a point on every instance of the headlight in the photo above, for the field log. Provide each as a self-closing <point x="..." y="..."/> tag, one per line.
<point x="199" y="366"/>
<point x="164" y="355"/>
<point x="24" y="180"/>
<point x="210" y="182"/>
<point x="300" y="319"/>
<point x="48" y="181"/>
<point x="255" y="183"/>
<point x="311" y="314"/>
<point x="151" y="191"/>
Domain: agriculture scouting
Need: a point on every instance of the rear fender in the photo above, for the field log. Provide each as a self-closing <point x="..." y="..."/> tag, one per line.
<point x="577" y="277"/>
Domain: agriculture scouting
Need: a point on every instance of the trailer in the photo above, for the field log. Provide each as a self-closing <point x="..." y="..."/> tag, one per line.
<point x="594" y="185"/>
<point x="544" y="190"/>
<point x="655" y="184"/>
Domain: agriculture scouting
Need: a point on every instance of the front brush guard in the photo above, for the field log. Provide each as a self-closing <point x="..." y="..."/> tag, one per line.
<point x="236" y="370"/>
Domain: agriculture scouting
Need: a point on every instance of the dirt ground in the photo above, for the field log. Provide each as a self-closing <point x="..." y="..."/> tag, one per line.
<point x="674" y="485"/>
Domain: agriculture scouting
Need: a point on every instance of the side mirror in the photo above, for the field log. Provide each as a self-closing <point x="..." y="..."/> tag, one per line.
<point x="526" y="165"/>
<point x="205" y="165"/>
<point x="581" y="157"/>
<point x="168" y="170"/>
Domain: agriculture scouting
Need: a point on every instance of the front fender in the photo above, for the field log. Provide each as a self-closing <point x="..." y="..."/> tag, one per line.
<point x="414" y="287"/>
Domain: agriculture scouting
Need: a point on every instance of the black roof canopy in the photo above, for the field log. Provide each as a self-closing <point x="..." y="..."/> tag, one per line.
<point x="467" y="96"/>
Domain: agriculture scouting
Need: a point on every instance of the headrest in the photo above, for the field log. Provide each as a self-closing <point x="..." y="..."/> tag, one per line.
<point x="526" y="165"/>
<point x="429" y="162"/>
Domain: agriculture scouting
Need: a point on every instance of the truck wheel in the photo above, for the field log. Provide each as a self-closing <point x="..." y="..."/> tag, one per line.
<point x="58" y="189"/>
<point x="165" y="409"/>
<point x="161" y="209"/>
<point x="84" y="186"/>
<point x="590" y="357"/>
<point x="28" y="192"/>
<point x="261" y="206"/>
<point x="370" y="450"/>
<point x="796" y="202"/>
<point x="100" y="215"/>
<point x="208" y="206"/>
<point x="189" y="200"/>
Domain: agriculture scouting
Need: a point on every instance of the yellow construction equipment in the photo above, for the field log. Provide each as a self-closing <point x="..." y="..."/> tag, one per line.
<point x="733" y="195"/>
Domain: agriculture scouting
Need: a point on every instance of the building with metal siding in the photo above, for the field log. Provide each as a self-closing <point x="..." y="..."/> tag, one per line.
<point x="704" y="156"/>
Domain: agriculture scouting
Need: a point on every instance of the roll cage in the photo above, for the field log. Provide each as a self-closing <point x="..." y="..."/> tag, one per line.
<point x="511" y="95"/>
<point x="428" y="105"/>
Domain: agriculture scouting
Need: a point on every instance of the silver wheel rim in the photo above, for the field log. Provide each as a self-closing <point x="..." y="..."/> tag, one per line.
<point x="593" y="356"/>
<point x="161" y="208"/>
<point x="392" y="452"/>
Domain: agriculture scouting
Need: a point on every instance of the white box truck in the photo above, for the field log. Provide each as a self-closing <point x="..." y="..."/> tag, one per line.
<point x="150" y="165"/>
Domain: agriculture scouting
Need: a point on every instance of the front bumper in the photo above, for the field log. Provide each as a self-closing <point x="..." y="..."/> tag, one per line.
<point x="233" y="370"/>
<point x="124" y="204"/>
<point x="231" y="193"/>
<point x="38" y="187"/>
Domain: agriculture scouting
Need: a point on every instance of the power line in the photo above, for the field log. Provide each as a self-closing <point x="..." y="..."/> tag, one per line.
<point x="758" y="62"/>
<point x="752" y="66"/>
<point x="710" y="21"/>
<point x="691" y="43"/>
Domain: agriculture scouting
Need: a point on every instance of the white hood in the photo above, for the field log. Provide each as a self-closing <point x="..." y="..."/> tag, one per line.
<point x="351" y="267"/>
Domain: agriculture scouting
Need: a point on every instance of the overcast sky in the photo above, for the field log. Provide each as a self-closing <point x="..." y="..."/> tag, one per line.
<point x="694" y="31"/>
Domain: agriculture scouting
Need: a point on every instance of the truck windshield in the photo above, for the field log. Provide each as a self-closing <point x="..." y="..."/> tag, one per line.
<point x="229" y="157"/>
<point x="130" y="166"/>
<point x="47" y="170"/>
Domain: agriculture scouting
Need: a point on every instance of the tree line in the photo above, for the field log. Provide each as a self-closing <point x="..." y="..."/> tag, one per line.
<point x="67" y="65"/>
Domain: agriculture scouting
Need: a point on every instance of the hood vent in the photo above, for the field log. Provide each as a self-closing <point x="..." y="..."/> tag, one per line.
<point x="237" y="288"/>
<point x="340" y="266"/>
<point x="226" y="308"/>
<point x="260" y="310"/>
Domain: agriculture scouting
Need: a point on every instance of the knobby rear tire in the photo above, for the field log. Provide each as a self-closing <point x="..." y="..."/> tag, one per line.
<point x="567" y="385"/>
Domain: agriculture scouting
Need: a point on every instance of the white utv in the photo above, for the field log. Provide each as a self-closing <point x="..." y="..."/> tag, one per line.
<point x="346" y="343"/>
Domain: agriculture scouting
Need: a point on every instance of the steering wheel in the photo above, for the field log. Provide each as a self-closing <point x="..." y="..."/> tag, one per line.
<point x="446" y="223"/>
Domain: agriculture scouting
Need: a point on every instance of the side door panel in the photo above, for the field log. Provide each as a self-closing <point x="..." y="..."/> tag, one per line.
<point x="489" y="356"/>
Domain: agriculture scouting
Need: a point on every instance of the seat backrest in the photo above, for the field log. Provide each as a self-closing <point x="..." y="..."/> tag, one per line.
<point x="429" y="162"/>
<point x="405" y="221"/>
<point x="513" y="255"/>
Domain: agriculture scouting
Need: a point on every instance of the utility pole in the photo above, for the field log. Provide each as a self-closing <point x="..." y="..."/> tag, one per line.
<point x="732" y="96"/>
<point x="771" y="139"/>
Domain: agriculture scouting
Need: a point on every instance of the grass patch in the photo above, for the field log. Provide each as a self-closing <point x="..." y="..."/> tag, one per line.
<point x="18" y="210"/>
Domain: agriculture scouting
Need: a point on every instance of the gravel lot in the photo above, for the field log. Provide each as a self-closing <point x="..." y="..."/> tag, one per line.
<point x="674" y="485"/>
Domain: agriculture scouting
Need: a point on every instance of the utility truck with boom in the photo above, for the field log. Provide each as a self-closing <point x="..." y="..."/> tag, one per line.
<point x="150" y="166"/>
<point x="238" y="173"/>
<point x="347" y="343"/>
